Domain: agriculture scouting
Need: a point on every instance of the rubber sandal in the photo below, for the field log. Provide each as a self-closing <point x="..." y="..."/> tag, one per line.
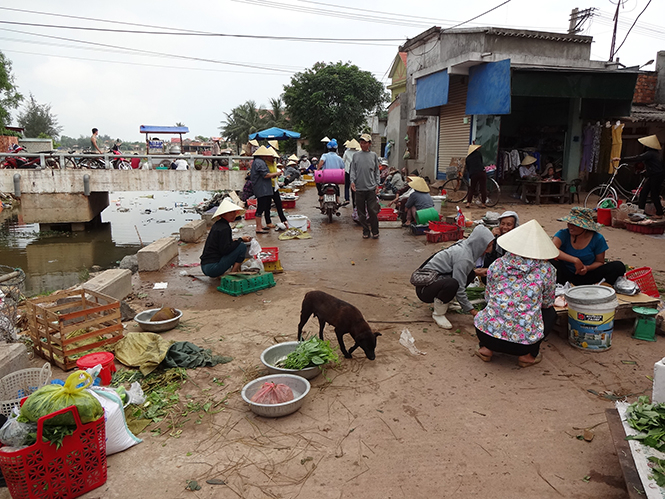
<point x="529" y="364"/>
<point x="270" y="226"/>
<point x="484" y="358"/>
<point x="262" y="231"/>
<point x="365" y="236"/>
<point x="375" y="236"/>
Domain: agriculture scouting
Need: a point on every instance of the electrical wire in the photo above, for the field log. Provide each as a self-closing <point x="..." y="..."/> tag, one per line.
<point x="631" y="27"/>
<point x="479" y="15"/>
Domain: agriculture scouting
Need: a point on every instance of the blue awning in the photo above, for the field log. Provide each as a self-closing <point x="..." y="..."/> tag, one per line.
<point x="164" y="129"/>
<point x="275" y="133"/>
<point x="489" y="88"/>
<point x="432" y="90"/>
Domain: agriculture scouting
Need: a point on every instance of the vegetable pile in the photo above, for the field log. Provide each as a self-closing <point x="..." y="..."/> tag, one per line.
<point x="649" y="419"/>
<point x="310" y="353"/>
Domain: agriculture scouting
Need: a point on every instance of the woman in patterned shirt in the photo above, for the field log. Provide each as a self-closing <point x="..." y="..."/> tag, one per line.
<point x="520" y="296"/>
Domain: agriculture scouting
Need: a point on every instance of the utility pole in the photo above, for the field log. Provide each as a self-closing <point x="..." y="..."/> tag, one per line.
<point x="578" y="18"/>
<point x="614" y="32"/>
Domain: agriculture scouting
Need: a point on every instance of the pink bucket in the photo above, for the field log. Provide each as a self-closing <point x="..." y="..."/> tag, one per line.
<point x="335" y="176"/>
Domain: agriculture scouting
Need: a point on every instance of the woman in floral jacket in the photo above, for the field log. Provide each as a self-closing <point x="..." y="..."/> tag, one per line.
<point x="520" y="296"/>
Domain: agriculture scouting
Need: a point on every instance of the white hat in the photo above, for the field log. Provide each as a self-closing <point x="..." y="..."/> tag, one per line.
<point x="528" y="160"/>
<point x="325" y="139"/>
<point x="274" y="144"/>
<point x="472" y="147"/>
<point x="353" y="144"/>
<point x="650" y="141"/>
<point x="254" y="142"/>
<point x="418" y="184"/>
<point x="264" y="151"/>
<point x="529" y="241"/>
<point x="225" y="207"/>
<point x="366" y="137"/>
<point x="293" y="157"/>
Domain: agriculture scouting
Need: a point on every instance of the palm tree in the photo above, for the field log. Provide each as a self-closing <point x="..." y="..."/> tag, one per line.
<point x="276" y="115"/>
<point x="242" y="121"/>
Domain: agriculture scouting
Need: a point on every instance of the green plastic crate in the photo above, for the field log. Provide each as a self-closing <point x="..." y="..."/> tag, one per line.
<point x="236" y="285"/>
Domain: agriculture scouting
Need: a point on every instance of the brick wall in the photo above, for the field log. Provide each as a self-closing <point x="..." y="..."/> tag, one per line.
<point x="645" y="89"/>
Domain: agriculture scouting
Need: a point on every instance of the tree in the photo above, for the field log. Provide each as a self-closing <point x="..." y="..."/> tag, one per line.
<point x="9" y="96"/>
<point x="180" y="124"/>
<point x="332" y="100"/>
<point x="276" y="115"/>
<point x="37" y="119"/>
<point x="242" y="121"/>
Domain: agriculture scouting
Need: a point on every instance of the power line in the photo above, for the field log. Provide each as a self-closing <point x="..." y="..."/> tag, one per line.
<point x="479" y="15"/>
<point x="631" y="27"/>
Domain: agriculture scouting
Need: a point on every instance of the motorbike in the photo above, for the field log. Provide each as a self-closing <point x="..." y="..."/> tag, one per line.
<point x="17" y="161"/>
<point x="330" y="204"/>
<point x="119" y="163"/>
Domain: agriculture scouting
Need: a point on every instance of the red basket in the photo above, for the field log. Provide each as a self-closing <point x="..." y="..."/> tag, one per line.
<point x="442" y="226"/>
<point x="269" y="254"/>
<point x="251" y="202"/>
<point x="646" y="229"/>
<point x="250" y="214"/>
<point x="288" y="203"/>
<point x="440" y="237"/>
<point x="644" y="279"/>
<point x="41" y="471"/>
<point x="387" y="215"/>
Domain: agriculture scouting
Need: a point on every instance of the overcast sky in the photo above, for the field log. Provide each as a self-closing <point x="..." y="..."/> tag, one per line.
<point x="119" y="81"/>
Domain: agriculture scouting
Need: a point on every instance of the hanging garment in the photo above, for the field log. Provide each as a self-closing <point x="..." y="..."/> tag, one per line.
<point x="595" y="153"/>
<point x="617" y="130"/>
<point x="587" y="149"/>
<point x="605" y="150"/>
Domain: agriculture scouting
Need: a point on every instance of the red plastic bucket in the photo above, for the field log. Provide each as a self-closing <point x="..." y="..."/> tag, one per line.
<point x="106" y="359"/>
<point x="605" y="216"/>
<point x="335" y="176"/>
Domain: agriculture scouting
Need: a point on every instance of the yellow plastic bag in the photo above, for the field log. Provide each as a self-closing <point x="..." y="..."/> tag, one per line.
<point x="51" y="398"/>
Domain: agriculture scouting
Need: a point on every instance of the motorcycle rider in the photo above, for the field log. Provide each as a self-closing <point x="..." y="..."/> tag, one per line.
<point x="330" y="161"/>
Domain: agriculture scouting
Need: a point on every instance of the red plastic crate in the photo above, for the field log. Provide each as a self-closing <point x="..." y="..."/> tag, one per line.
<point x="646" y="229"/>
<point x="269" y="254"/>
<point x="440" y="237"/>
<point x="441" y="226"/>
<point x="644" y="279"/>
<point x="387" y="215"/>
<point x="251" y="202"/>
<point x="41" y="471"/>
<point x="250" y="214"/>
<point x="288" y="203"/>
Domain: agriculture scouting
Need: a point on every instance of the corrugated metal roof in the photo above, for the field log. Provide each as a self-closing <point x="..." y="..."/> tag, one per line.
<point x="651" y="112"/>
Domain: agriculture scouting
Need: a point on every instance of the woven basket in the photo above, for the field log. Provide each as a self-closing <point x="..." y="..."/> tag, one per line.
<point x="19" y="384"/>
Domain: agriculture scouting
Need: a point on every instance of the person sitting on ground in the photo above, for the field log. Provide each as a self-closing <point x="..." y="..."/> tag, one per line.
<point x="304" y="163"/>
<point x="401" y="197"/>
<point x="221" y="252"/>
<point x="581" y="258"/>
<point x="520" y="297"/>
<point x="419" y="199"/>
<point x="394" y="182"/>
<point x="312" y="166"/>
<point x="508" y="220"/>
<point x="291" y="173"/>
<point x="454" y="265"/>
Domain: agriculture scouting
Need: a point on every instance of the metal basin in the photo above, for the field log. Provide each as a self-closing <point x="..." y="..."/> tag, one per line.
<point x="143" y="320"/>
<point x="272" y="355"/>
<point x="299" y="385"/>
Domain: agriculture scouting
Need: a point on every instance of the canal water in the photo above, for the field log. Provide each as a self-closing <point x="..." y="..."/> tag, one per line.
<point x="57" y="260"/>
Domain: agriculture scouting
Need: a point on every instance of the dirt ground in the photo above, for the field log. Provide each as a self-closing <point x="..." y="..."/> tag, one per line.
<point x="444" y="424"/>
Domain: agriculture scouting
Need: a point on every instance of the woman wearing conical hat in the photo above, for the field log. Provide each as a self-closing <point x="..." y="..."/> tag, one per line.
<point x="477" y="175"/>
<point x="651" y="157"/>
<point x="221" y="252"/>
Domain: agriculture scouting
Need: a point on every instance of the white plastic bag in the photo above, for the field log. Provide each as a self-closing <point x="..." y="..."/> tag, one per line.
<point x="118" y="436"/>
<point x="406" y="340"/>
<point x="136" y="395"/>
<point x="254" y="248"/>
<point x="13" y="433"/>
<point x="252" y="265"/>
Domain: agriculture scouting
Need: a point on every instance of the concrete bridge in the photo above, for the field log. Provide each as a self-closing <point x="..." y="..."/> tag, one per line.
<point x="53" y="196"/>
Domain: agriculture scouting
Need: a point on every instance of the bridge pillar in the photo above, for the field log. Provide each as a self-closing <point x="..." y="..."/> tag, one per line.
<point x="56" y="209"/>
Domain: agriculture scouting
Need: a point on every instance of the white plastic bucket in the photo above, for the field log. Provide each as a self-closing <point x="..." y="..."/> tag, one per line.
<point x="297" y="222"/>
<point x="591" y="317"/>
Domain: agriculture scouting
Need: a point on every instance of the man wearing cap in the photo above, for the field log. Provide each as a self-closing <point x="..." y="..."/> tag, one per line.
<point x="365" y="180"/>
<point x="654" y="172"/>
<point x="221" y="252"/>
<point x="419" y="199"/>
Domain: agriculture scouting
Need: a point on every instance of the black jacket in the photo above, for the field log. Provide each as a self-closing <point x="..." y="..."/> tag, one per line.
<point x="474" y="163"/>
<point x="219" y="242"/>
<point x="651" y="160"/>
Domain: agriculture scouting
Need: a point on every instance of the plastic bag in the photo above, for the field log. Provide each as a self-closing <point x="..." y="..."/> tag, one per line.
<point x="254" y="248"/>
<point x="253" y="264"/>
<point x="118" y="436"/>
<point x="13" y="432"/>
<point x="271" y="393"/>
<point x="52" y="398"/>
<point x="406" y="340"/>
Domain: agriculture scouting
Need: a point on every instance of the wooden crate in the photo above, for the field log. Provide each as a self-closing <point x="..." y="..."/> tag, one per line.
<point x="53" y="318"/>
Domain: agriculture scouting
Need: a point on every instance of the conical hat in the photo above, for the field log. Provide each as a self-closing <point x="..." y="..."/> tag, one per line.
<point x="264" y="151"/>
<point x="325" y="139"/>
<point x="528" y="160"/>
<point x="293" y="157"/>
<point x="226" y="206"/>
<point x="353" y="144"/>
<point x="472" y="147"/>
<point x="254" y="142"/>
<point x="274" y="144"/>
<point x="529" y="241"/>
<point x="650" y="141"/>
<point x="418" y="184"/>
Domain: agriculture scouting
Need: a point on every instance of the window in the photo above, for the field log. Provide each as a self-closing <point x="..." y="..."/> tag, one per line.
<point x="413" y="133"/>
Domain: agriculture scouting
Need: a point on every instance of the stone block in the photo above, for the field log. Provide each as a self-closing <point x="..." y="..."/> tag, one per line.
<point x="154" y="256"/>
<point x="192" y="231"/>
<point x="116" y="283"/>
<point x="13" y="357"/>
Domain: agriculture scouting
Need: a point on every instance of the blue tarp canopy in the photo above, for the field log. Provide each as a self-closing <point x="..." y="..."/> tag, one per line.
<point x="274" y="133"/>
<point x="164" y="129"/>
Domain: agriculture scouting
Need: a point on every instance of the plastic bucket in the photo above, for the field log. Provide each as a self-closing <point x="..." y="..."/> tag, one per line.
<point x="106" y="359"/>
<point x="334" y="176"/>
<point x="298" y="222"/>
<point x="427" y="215"/>
<point x="591" y="317"/>
<point x="605" y="216"/>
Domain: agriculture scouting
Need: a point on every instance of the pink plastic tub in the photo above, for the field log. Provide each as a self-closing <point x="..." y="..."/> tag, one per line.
<point x="333" y="176"/>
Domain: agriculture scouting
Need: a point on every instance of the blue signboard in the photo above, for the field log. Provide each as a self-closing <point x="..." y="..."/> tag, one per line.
<point x="489" y="88"/>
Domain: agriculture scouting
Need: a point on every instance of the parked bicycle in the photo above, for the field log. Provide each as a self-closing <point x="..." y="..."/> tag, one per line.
<point x="84" y="161"/>
<point x="615" y="190"/>
<point x="457" y="190"/>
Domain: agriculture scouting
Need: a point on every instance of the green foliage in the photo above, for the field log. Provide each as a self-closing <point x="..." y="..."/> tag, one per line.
<point x="10" y="98"/>
<point x="37" y="119"/>
<point x="649" y="419"/>
<point x="243" y="120"/>
<point x="309" y="353"/>
<point x="658" y="470"/>
<point x="332" y="100"/>
<point x="9" y="133"/>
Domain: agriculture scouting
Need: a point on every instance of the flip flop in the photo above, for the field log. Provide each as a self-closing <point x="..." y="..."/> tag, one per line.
<point x="263" y="231"/>
<point x="484" y="358"/>
<point x="529" y="364"/>
<point x="365" y="236"/>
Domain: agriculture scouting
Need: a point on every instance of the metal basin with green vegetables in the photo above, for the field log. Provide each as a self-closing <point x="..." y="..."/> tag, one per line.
<point x="302" y="358"/>
<point x="279" y="352"/>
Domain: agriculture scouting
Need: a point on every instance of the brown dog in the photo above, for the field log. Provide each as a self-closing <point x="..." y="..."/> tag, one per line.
<point x="343" y="316"/>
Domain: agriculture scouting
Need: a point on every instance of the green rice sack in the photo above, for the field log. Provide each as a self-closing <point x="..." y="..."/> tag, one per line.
<point x="52" y="398"/>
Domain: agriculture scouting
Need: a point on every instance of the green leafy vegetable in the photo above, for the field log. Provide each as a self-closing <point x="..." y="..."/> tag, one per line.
<point x="310" y="353"/>
<point x="649" y="419"/>
<point x="658" y="469"/>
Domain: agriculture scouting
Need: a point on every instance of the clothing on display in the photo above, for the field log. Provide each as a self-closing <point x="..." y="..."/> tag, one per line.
<point x="617" y="130"/>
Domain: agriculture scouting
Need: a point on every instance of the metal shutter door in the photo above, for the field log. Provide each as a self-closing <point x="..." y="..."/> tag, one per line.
<point x="454" y="134"/>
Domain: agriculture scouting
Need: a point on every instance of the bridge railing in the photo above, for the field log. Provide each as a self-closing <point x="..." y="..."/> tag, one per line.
<point x="56" y="159"/>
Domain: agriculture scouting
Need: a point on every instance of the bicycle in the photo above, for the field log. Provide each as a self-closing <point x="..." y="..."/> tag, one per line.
<point x="613" y="188"/>
<point x="457" y="190"/>
<point x="84" y="162"/>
